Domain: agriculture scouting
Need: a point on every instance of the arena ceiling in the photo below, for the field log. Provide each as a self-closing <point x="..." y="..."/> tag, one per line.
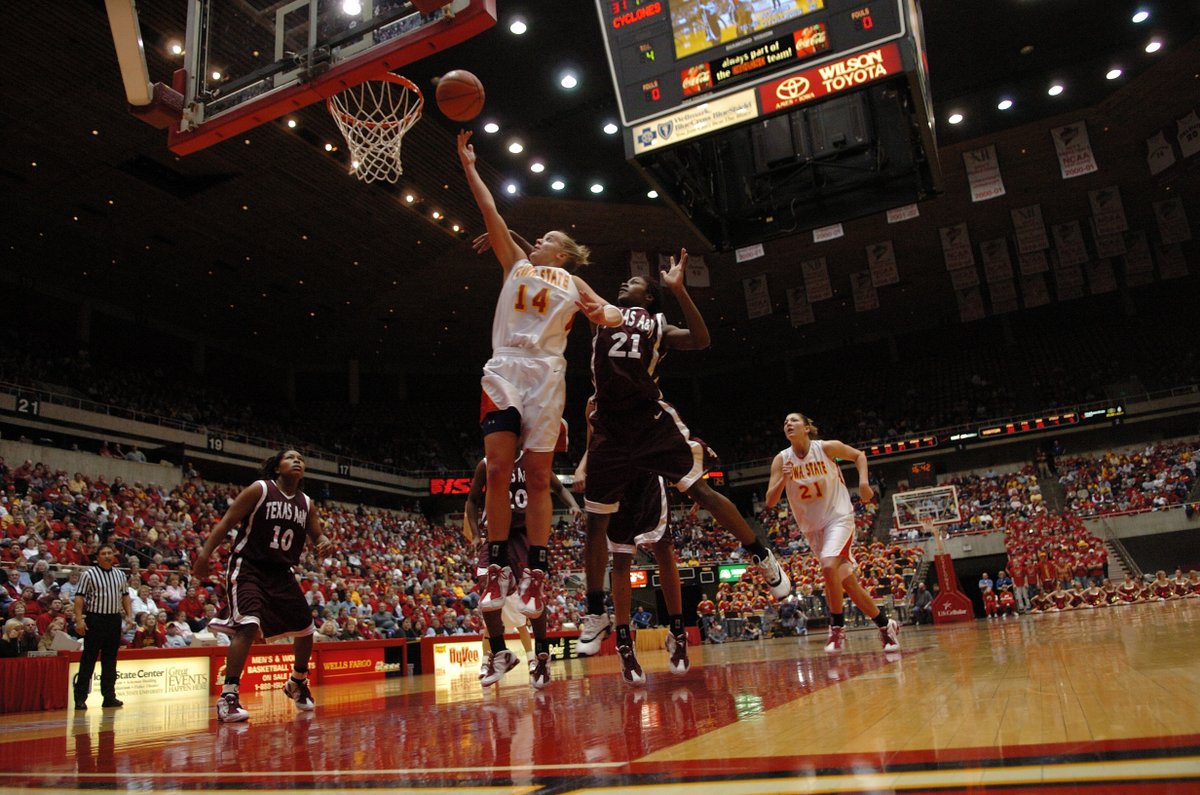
<point x="269" y="247"/>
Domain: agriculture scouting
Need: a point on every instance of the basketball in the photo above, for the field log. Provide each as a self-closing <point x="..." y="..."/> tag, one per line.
<point x="459" y="95"/>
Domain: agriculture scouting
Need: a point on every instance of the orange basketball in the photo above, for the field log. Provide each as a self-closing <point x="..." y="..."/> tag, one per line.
<point x="459" y="95"/>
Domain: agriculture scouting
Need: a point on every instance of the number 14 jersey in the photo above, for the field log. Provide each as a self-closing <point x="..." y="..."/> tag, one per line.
<point x="275" y="532"/>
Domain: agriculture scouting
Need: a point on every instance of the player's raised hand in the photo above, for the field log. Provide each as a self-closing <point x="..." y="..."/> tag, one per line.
<point x="466" y="152"/>
<point x="672" y="278"/>
<point x="597" y="311"/>
<point x="482" y="243"/>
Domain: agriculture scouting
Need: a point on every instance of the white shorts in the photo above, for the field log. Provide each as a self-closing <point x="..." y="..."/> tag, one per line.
<point x="833" y="540"/>
<point x="535" y="386"/>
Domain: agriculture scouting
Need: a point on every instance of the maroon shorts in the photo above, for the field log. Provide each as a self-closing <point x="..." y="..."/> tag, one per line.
<point x="518" y="551"/>
<point x="643" y="517"/>
<point x="652" y="440"/>
<point x="266" y="596"/>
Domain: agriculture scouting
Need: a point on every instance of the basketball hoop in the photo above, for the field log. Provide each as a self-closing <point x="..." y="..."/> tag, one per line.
<point x="373" y="117"/>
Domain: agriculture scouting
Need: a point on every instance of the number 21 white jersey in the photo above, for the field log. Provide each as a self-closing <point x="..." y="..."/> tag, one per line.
<point x="816" y="491"/>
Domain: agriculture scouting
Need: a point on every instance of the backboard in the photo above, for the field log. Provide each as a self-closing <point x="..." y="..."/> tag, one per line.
<point x="247" y="62"/>
<point x="937" y="505"/>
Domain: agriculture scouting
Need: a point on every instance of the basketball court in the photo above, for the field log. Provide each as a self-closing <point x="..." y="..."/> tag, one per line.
<point x="1082" y="701"/>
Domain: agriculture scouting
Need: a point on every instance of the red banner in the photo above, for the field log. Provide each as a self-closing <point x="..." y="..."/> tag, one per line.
<point x="830" y="78"/>
<point x="349" y="665"/>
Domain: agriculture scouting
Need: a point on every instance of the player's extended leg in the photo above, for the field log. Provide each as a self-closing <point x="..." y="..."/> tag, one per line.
<point x="229" y="708"/>
<point x="500" y="448"/>
<point x="596" y="626"/>
<point x="297" y="684"/>
<point x="727" y="515"/>
<point x="622" y="594"/>
<point x="835" y="597"/>
<point x="889" y="630"/>
<point x="668" y="572"/>
<point x="537" y="526"/>
<point x="497" y="660"/>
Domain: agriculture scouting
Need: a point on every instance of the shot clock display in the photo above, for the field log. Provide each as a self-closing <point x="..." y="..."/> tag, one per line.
<point x="666" y="53"/>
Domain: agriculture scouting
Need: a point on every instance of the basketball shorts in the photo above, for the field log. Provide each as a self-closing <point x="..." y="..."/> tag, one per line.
<point x="535" y="386"/>
<point x="833" y="540"/>
<point x="642" y="520"/>
<point x="652" y="441"/>
<point x="266" y="596"/>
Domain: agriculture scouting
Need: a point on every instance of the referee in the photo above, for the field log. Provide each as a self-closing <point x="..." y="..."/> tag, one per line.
<point x="100" y="602"/>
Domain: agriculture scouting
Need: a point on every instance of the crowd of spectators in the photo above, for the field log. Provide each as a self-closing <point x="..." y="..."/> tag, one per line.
<point x="1154" y="477"/>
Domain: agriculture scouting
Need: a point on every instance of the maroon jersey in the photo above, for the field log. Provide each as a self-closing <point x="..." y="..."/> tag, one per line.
<point x="625" y="360"/>
<point x="274" y="533"/>
<point x="518" y="497"/>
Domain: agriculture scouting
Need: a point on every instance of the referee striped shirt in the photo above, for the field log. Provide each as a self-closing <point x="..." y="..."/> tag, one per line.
<point x="102" y="591"/>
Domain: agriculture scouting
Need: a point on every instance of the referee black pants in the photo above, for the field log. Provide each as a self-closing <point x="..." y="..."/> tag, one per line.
<point x="102" y="640"/>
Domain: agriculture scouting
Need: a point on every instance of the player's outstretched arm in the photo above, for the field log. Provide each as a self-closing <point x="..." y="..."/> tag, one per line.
<point x="474" y="504"/>
<point x="484" y="243"/>
<point x="507" y="250"/>
<point x="316" y="536"/>
<point x="558" y="490"/>
<point x="777" y="481"/>
<point x="597" y="310"/>
<point x="242" y="505"/>
<point x="695" y="337"/>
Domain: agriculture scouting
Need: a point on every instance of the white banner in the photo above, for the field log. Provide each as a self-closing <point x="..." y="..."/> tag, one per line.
<point x="1101" y="276"/>
<point x="1030" y="229"/>
<point x="881" y="259"/>
<point x="696" y="272"/>
<point x="698" y="119"/>
<point x="1107" y="210"/>
<point x="963" y="278"/>
<point x="816" y="280"/>
<point x="1033" y="262"/>
<point x="983" y="173"/>
<point x="1108" y="245"/>
<point x="956" y="247"/>
<point x="1159" y="154"/>
<point x="747" y="253"/>
<point x="1033" y="290"/>
<point x="1004" y="296"/>
<point x="865" y="296"/>
<point x="970" y="304"/>
<point x="149" y="679"/>
<point x="826" y="233"/>
<point x="1171" y="264"/>
<point x="1189" y="134"/>
<point x="1075" y="156"/>
<point x="799" y="308"/>
<point x="1172" y="221"/>
<point x="1139" y="267"/>
<point x="639" y="264"/>
<point x="1068" y="243"/>
<point x="997" y="265"/>
<point x="758" y="299"/>
<point x="905" y="213"/>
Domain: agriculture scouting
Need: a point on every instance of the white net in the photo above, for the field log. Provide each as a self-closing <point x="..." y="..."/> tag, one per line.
<point x="373" y="117"/>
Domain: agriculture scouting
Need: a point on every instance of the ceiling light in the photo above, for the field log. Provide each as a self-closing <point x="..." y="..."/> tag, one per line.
<point x="291" y="123"/>
<point x="408" y="197"/>
<point x="456" y="228"/>
<point x="436" y="215"/>
<point x="517" y="26"/>
<point x="1154" y="46"/>
<point x="1055" y="90"/>
<point x="1114" y="73"/>
<point x="354" y="164"/>
<point x="1005" y="104"/>
<point x="1140" y="17"/>
<point x="652" y="194"/>
<point x="216" y="75"/>
<point x="610" y="128"/>
<point x="558" y="184"/>
<point x="328" y="147"/>
<point x="176" y="48"/>
<point x="516" y="148"/>
<point x="596" y="188"/>
<point x="491" y="127"/>
<point x="955" y="118"/>
<point x="351" y="7"/>
<point x="568" y="80"/>
<point x="537" y="167"/>
<point x="510" y="188"/>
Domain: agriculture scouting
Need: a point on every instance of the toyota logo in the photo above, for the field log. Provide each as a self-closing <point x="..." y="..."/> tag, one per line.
<point x="792" y="88"/>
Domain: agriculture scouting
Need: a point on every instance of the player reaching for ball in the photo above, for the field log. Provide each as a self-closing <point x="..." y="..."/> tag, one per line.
<point x="524" y="387"/>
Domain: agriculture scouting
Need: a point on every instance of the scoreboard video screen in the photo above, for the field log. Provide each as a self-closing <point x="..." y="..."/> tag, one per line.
<point x="665" y="54"/>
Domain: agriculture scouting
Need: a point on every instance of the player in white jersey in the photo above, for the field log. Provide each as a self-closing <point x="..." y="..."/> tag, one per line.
<point x="808" y="471"/>
<point x="524" y="386"/>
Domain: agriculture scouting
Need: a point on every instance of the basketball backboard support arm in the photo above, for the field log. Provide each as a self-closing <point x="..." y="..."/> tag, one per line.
<point x="131" y="56"/>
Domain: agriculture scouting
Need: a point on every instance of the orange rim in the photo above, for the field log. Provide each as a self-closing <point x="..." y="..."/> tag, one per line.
<point x="386" y="77"/>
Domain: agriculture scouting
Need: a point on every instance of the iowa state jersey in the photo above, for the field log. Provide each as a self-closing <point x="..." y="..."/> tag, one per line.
<point x="274" y="534"/>
<point x="625" y="359"/>
<point x="816" y="491"/>
<point x="535" y="309"/>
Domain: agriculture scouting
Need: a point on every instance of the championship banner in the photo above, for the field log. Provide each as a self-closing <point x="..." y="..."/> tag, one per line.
<point x="1030" y="229"/>
<point x="1139" y="268"/>
<point x="997" y="266"/>
<point x="1003" y="296"/>
<point x="152" y="678"/>
<point x="799" y="308"/>
<point x="1171" y="263"/>
<point x="639" y="264"/>
<point x="956" y="247"/>
<point x="1033" y="262"/>
<point x="1108" y="245"/>
<point x="1188" y="134"/>
<point x="865" y="296"/>
<point x="1159" y="154"/>
<point x="970" y="304"/>
<point x="696" y="272"/>
<point x="816" y="279"/>
<point x="1075" y="156"/>
<point x="1172" y="221"/>
<point x="1068" y="243"/>
<point x="1033" y="290"/>
<point x="963" y="278"/>
<point x="901" y="214"/>
<point x="881" y="260"/>
<point x="1108" y="213"/>
<point x="758" y="298"/>
<point x="1101" y="276"/>
<point x="1068" y="282"/>
<point x="983" y="173"/>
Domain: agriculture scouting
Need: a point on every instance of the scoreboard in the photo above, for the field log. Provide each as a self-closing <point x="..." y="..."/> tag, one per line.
<point x="665" y="54"/>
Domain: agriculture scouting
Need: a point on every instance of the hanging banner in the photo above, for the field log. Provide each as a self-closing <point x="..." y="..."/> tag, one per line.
<point x="1034" y="291"/>
<point x="956" y="247"/>
<point x="747" y="253"/>
<point x="1139" y="268"/>
<point x="1068" y="282"/>
<point x="1172" y="221"/>
<point x="1159" y="154"/>
<point x="1075" y="156"/>
<point x="1171" y="263"/>
<point x="997" y="266"/>
<point x="906" y="213"/>
<point x="1068" y="244"/>
<point x="963" y="278"/>
<point x="865" y="296"/>
<point x="758" y="299"/>
<point x="1188" y="134"/>
<point x="826" y="233"/>
<point x="1003" y="296"/>
<point x="881" y="259"/>
<point x="799" y="308"/>
<point x="1033" y="262"/>
<point x="696" y="272"/>
<point x="816" y="280"/>
<point x="970" y="304"/>
<point x="1107" y="210"/>
<point x="1030" y="229"/>
<point x="1108" y="245"/>
<point x="639" y="264"/>
<point x="1101" y="277"/>
<point x="983" y="173"/>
